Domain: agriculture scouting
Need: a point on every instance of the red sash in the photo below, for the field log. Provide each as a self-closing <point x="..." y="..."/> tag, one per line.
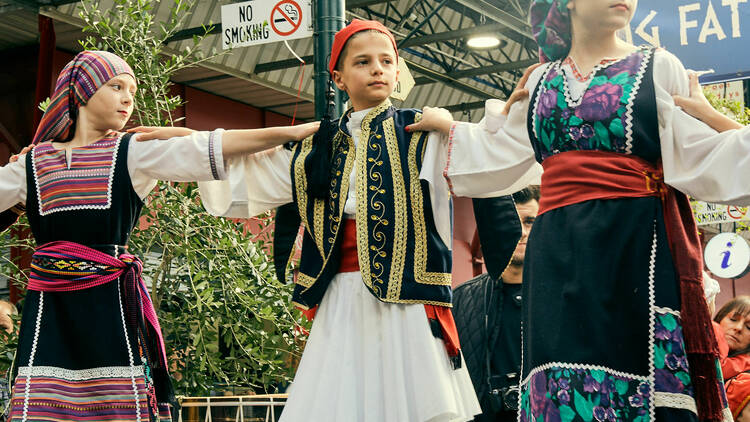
<point x="578" y="176"/>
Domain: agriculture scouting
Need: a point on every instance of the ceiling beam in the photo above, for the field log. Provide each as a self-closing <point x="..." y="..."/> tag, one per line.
<point x="489" y="10"/>
<point x="280" y="64"/>
<point x="496" y="68"/>
<point x="188" y="33"/>
<point x="430" y="76"/>
<point x="355" y="4"/>
<point x="464" y="106"/>
<point x="495" y="28"/>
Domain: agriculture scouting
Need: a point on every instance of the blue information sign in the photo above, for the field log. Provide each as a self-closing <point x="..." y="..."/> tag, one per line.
<point x="704" y="34"/>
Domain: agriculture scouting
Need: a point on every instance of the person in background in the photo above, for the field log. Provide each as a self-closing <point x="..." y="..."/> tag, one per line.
<point x="487" y="308"/>
<point x="732" y="327"/>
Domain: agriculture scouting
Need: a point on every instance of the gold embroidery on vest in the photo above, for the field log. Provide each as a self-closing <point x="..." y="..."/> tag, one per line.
<point x="398" y="250"/>
<point x="363" y="185"/>
<point x="300" y="181"/>
<point x="421" y="275"/>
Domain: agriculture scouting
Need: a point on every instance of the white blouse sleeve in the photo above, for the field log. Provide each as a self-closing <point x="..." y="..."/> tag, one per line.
<point x="256" y="183"/>
<point x="698" y="161"/>
<point x="13" y="183"/>
<point x="433" y="163"/>
<point x="493" y="157"/>
<point x="196" y="157"/>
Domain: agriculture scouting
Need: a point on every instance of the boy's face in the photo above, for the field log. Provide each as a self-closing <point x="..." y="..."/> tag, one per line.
<point x="368" y="70"/>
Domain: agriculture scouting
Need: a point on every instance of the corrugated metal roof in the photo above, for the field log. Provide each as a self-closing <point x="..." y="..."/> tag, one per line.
<point x="267" y="76"/>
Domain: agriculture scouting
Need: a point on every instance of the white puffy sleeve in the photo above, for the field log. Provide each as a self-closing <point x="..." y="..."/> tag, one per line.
<point x="255" y="184"/>
<point x="698" y="161"/>
<point x="13" y="183"/>
<point x="433" y="164"/>
<point x="493" y="157"/>
<point x="195" y="157"/>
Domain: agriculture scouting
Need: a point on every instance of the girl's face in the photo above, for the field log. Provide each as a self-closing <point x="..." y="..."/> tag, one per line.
<point x="368" y="70"/>
<point x="736" y="330"/>
<point x="111" y="105"/>
<point x="609" y="15"/>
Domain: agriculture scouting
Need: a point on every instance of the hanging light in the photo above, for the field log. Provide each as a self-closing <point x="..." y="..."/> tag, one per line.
<point x="482" y="41"/>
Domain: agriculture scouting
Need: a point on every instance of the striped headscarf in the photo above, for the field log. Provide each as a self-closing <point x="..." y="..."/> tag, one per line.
<point x="550" y="24"/>
<point x="77" y="83"/>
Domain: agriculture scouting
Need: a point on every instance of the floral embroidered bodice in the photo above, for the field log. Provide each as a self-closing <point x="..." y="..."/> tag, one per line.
<point x="602" y="117"/>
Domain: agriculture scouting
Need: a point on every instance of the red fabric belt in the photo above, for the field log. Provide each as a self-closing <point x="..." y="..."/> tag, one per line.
<point x="441" y="314"/>
<point x="578" y="176"/>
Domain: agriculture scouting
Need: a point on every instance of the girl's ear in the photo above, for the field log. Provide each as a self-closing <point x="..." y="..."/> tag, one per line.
<point x="338" y="80"/>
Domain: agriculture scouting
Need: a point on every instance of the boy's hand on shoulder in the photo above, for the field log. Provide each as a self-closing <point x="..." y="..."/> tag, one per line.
<point x="433" y="119"/>
<point x="148" y="133"/>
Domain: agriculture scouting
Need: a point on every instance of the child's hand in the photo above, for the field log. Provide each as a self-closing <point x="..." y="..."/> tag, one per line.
<point x="15" y="157"/>
<point x="300" y="132"/>
<point x="433" y="119"/>
<point x="696" y="104"/>
<point x="148" y="133"/>
<point x="520" y="92"/>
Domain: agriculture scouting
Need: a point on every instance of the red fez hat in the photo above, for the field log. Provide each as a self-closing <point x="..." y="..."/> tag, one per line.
<point x="341" y="37"/>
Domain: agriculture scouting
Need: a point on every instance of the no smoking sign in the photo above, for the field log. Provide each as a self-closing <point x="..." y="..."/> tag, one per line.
<point x="286" y="17"/>
<point x="263" y="21"/>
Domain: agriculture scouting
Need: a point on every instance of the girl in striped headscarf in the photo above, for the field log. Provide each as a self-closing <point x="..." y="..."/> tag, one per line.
<point x="90" y="346"/>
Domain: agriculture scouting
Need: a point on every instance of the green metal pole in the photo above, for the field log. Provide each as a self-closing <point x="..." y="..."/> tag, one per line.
<point x="329" y="18"/>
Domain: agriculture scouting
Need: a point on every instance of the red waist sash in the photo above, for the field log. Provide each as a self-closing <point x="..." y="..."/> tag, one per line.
<point x="68" y="266"/>
<point x="578" y="176"/>
<point x="441" y="314"/>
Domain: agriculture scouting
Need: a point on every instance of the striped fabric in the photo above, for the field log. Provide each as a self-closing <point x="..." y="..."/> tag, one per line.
<point x="85" y="185"/>
<point x="99" y="394"/>
<point x="77" y="82"/>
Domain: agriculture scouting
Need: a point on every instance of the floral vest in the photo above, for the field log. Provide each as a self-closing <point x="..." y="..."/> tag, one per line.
<point x="401" y="256"/>
<point x="616" y="113"/>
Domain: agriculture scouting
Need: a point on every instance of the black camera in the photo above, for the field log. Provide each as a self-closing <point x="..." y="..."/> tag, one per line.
<point x="503" y="396"/>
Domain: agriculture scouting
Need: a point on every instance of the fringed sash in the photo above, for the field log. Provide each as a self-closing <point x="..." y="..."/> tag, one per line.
<point x="577" y="176"/>
<point x="63" y="266"/>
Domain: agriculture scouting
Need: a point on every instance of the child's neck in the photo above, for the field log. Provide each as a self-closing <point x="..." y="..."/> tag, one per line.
<point x="86" y="134"/>
<point x="588" y="48"/>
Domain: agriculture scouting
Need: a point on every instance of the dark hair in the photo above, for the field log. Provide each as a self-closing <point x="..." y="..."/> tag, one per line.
<point x="345" y="49"/>
<point x="527" y="194"/>
<point x="739" y="305"/>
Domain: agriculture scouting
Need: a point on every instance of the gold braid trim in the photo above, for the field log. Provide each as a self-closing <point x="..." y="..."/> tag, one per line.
<point x="398" y="251"/>
<point x="421" y="275"/>
<point x="300" y="182"/>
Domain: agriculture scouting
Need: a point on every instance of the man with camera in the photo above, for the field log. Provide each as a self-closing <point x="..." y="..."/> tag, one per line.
<point x="487" y="309"/>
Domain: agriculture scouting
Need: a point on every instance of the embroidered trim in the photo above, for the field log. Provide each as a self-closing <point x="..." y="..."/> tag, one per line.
<point x="300" y="181"/>
<point x="79" y="374"/>
<point x="212" y="156"/>
<point x="631" y="101"/>
<point x="136" y="396"/>
<point x="34" y="343"/>
<point x="448" y="161"/>
<point x="661" y="310"/>
<point x="398" y="249"/>
<point x="540" y="87"/>
<point x="652" y="324"/>
<point x="583" y="366"/>
<point x="673" y="400"/>
<point x="421" y="275"/>
<point x="74" y="173"/>
<point x="577" y="73"/>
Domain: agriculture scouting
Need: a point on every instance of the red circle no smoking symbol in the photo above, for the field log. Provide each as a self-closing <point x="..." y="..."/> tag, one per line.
<point x="286" y="17"/>
<point x="736" y="212"/>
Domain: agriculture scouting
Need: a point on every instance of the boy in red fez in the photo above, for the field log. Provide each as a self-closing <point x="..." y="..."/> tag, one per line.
<point x="376" y="257"/>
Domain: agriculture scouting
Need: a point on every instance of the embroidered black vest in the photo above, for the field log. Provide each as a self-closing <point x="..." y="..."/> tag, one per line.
<point x="401" y="255"/>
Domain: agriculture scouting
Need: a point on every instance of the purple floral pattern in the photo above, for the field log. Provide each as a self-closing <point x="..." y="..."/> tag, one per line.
<point x="670" y="360"/>
<point x="599" y="122"/>
<point x="564" y="395"/>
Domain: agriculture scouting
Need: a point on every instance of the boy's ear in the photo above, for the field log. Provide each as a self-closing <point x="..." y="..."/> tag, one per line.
<point x="336" y="76"/>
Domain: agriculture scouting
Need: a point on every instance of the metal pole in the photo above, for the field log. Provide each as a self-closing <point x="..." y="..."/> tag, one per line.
<point x="329" y="18"/>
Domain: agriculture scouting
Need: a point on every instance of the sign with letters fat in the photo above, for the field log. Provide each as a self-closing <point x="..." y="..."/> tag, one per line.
<point x="704" y="34"/>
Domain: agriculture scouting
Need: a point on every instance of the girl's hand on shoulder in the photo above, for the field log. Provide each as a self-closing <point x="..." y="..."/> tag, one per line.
<point x="148" y="133"/>
<point x="433" y="119"/>
<point x="696" y="104"/>
<point x="15" y="157"/>
<point x="520" y="92"/>
<point x="300" y="132"/>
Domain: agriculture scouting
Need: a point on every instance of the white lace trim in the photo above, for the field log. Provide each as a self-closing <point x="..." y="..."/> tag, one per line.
<point x="34" y="343"/>
<point x="727" y="414"/>
<point x="631" y="101"/>
<point x="584" y="366"/>
<point x="661" y="310"/>
<point x="80" y="374"/>
<point x="79" y="207"/>
<point x="534" y="117"/>
<point x="130" y="357"/>
<point x="676" y="401"/>
<point x="652" y="323"/>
